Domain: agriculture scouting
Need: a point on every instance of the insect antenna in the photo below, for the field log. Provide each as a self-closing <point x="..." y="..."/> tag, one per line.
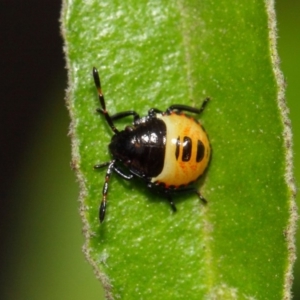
<point x="102" y="101"/>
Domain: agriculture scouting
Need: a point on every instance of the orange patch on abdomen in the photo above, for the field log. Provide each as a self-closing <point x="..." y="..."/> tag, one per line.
<point x="178" y="172"/>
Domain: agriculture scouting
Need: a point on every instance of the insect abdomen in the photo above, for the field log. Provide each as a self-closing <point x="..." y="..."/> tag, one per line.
<point x="187" y="151"/>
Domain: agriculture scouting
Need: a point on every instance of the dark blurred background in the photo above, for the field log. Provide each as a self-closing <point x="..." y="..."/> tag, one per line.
<point x="40" y="228"/>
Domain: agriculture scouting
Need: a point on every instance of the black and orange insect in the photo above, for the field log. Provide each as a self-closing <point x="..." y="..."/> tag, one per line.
<point x="167" y="149"/>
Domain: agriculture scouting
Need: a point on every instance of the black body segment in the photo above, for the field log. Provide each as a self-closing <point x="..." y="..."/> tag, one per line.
<point x="141" y="150"/>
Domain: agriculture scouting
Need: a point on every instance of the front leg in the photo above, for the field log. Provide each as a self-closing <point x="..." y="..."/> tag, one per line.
<point x="116" y="169"/>
<point x="102" y="208"/>
<point x="111" y="167"/>
<point x="123" y="175"/>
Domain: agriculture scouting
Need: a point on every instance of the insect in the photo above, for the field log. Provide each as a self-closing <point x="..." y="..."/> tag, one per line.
<point x="167" y="149"/>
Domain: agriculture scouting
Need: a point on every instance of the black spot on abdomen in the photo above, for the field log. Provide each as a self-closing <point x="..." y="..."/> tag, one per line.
<point x="187" y="149"/>
<point x="200" y="151"/>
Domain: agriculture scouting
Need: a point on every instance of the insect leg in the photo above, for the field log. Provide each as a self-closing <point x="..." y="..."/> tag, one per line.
<point x="123" y="175"/>
<point x="102" y="208"/>
<point x="182" y="107"/>
<point x="195" y="191"/>
<point x="115" y="168"/>
<point x="204" y="201"/>
<point x="171" y="203"/>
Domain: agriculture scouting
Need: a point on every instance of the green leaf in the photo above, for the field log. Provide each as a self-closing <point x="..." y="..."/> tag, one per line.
<point x="154" y="54"/>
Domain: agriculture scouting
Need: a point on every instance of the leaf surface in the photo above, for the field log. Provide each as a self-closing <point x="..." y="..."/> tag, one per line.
<point x="154" y="54"/>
